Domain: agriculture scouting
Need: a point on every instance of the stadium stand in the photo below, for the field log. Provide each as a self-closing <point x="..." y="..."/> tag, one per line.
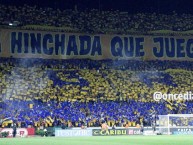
<point x="40" y="92"/>
<point x="93" y="20"/>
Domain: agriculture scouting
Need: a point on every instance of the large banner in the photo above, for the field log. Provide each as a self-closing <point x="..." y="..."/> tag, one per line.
<point x="57" y="45"/>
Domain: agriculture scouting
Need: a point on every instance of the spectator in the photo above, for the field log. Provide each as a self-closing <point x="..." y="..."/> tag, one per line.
<point x="14" y="129"/>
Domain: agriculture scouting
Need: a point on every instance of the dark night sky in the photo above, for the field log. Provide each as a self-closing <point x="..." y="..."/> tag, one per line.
<point x="131" y="6"/>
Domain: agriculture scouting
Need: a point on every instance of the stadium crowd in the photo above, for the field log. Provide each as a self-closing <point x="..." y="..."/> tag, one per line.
<point x="70" y="93"/>
<point x="94" y="20"/>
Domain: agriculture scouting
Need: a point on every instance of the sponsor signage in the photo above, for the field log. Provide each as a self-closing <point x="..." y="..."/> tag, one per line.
<point x="31" y="131"/>
<point x="20" y="131"/>
<point x="115" y="132"/>
<point x="72" y="133"/>
<point x="133" y="132"/>
<point x="109" y="132"/>
<point x="149" y="132"/>
<point x="181" y="131"/>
